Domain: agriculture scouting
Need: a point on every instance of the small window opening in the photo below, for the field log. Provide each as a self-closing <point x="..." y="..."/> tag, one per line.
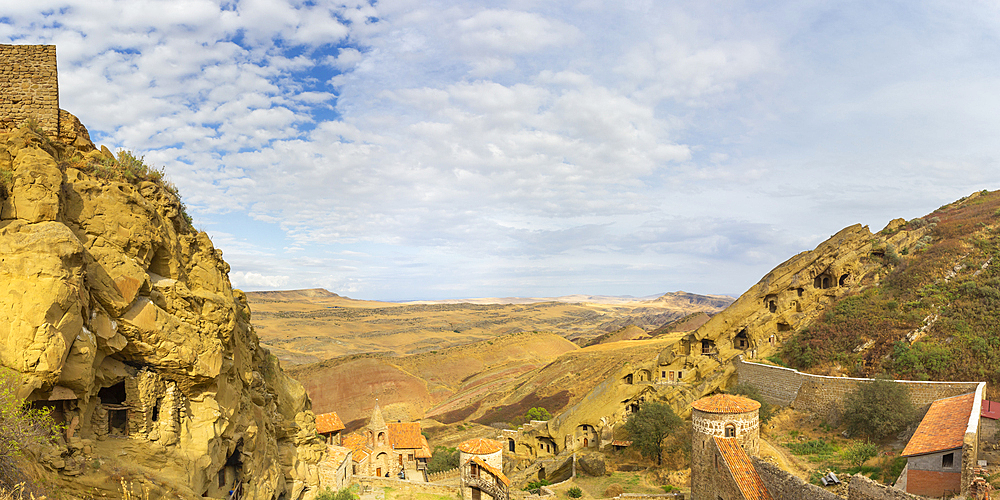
<point x="156" y="409"/>
<point x="511" y="444"/>
<point x="843" y="279"/>
<point x="800" y="291"/>
<point x="707" y="346"/>
<point x="680" y="374"/>
<point x="948" y="460"/>
<point x="663" y="374"/>
<point x="222" y="477"/>
<point x="772" y="306"/>
<point x="730" y="431"/>
<point x="628" y="378"/>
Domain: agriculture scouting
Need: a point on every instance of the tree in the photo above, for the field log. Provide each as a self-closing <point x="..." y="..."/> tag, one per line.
<point x="443" y="459"/>
<point x="859" y="453"/>
<point x="767" y="410"/>
<point x="650" y="425"/>
<point x="538" y="413"/>
<point x="878" y="408"/>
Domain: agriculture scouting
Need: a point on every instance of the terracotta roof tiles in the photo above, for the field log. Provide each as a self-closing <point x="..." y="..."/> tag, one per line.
<point x="337" y="454"/>
<point x="480" y="446"/>
<point x="497" y="473"/>
<point x="328" y="422"/>
<point x="742" y="469"/>
<point x="725" y="403"/>
<point x="943" y="427"/>
<point x="405" y="435"/>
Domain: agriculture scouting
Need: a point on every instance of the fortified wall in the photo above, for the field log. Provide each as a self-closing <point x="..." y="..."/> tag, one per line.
<point x="29" y="86"/>
<point x="824" y="395"/>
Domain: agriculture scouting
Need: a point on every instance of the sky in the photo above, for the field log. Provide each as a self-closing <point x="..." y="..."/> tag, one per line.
<point x="420" y="149"/>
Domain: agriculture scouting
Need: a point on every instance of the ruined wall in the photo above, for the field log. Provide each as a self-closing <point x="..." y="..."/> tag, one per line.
<point x="862" y="488"/>
<point x="29" y="86"/>
<point x="785" y="486"/>
<point x="823" y="395"/>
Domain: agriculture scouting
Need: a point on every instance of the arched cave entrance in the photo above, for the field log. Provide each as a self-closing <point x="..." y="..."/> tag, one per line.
<point x="707" y="347"/>
<point x="843" y="279"/>
<point x="628" y="379"/>
<point x="511" y="444"/>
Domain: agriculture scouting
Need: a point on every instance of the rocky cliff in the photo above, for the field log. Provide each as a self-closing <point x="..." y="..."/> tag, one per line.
<point x="121" y="318"/>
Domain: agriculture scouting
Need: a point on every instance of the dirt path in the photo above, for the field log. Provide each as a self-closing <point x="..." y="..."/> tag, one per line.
<point x="785" y="460"/>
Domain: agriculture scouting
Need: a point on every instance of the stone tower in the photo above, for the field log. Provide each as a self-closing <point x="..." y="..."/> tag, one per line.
<point x="721" y="415"/>
<point x="29" y="86"/>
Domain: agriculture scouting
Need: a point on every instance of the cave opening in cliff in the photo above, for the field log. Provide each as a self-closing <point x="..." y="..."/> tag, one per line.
<point x="822" y="281"/>
<point x="843" y="279"/>
<point x="114" y="394"/>
<point x="113" y="399"/>
<point x="707" y="347"/>
<point x="742" y="340"/>
<point x="230" y="473"/>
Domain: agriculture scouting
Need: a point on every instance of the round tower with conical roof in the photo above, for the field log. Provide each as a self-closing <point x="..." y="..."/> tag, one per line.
<point x="724" y="416"/>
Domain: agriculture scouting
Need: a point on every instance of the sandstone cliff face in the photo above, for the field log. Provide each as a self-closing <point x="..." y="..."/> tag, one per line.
<point x="121" y="318"/>
<point x="696" y="364"/>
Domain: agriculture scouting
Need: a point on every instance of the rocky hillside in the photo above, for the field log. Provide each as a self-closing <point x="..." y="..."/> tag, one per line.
<point x="121" y="318"/>
<point x="932" y="315"/>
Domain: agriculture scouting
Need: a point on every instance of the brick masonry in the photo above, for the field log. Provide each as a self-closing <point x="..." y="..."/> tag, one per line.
<point x="823" y="395"/>
<point x="29" y="86"/>
<point x="933" y="483"/>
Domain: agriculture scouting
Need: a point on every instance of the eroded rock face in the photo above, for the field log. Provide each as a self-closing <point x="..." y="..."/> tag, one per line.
<point x="122" y="318"/>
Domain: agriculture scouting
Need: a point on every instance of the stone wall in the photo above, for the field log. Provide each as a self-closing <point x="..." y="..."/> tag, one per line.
<point x="406" y="487"/>
<point x="823" y="395"/>
<point x="29" y="86"/>
<point x="785" y="486"/>
<point x="862" y="488"/>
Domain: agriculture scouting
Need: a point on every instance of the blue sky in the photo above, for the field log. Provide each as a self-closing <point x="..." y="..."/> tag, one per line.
<point x="412" y="149"/>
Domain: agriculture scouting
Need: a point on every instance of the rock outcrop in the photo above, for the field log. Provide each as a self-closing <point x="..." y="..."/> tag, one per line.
<point x="122" y="319"/>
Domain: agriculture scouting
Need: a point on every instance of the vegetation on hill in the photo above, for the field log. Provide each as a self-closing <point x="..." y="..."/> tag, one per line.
<point x="443" y="458"/>
<point x="20" y="428"/>
<point x="931" y="313"/>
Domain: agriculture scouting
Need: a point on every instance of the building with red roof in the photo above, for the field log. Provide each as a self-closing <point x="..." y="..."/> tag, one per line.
<point x="937" y="462"/>
<point x="330" y="426"/>
<point x="389" y="450"/>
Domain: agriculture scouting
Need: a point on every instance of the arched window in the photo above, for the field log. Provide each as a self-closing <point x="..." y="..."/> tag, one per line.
<point x="730" y="431"/>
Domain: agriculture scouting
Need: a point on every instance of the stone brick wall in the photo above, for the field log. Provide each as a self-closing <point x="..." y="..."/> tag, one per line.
<point x="862" y="488"/>
<point x="29" y="86"/>
<point x="785" y="486"/>
<point x="407" y="487"/>
<point x="823" y="395"/>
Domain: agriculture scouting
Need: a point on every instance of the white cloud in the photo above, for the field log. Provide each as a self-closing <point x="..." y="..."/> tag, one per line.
<point x="241" y="279"/>
<point x="409" y="145"/>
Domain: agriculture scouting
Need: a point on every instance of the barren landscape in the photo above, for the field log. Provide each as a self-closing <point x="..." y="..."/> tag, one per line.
<point x="308" y="326"/>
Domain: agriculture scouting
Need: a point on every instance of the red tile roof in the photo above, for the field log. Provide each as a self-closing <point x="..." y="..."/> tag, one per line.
<point x="480" y="446"/>
<point x="478" y="461"/>
<point x="621" y="443"/>
<point x="991" y="410"/>
<point x="336" y="454"/>
<point x="405" y="435"/>
<point x="742" y="469"/>
<point x="943" y="427"/>
<point x="425" y="449"/>
<point x="725" y="403"/>
<point x="359" y="445"/>
<point x="328" y="422"/>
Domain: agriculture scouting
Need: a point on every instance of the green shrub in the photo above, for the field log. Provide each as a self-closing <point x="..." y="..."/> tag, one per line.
<point x="859" y="453"/>
<point x="443" y="459"/>
<point x="814" y="447"/>
<point x="328" y="494"/>
<point x="878" y="408"/>
<point x="538" y="413"/>
<point x="534" y="485"/>
<point x="574" y="492"/>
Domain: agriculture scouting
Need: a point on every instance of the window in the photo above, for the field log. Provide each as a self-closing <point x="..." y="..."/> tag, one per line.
<point x="948" y="460"/>
<point x="730" y="431"/>
<point x="663" y="374"/>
